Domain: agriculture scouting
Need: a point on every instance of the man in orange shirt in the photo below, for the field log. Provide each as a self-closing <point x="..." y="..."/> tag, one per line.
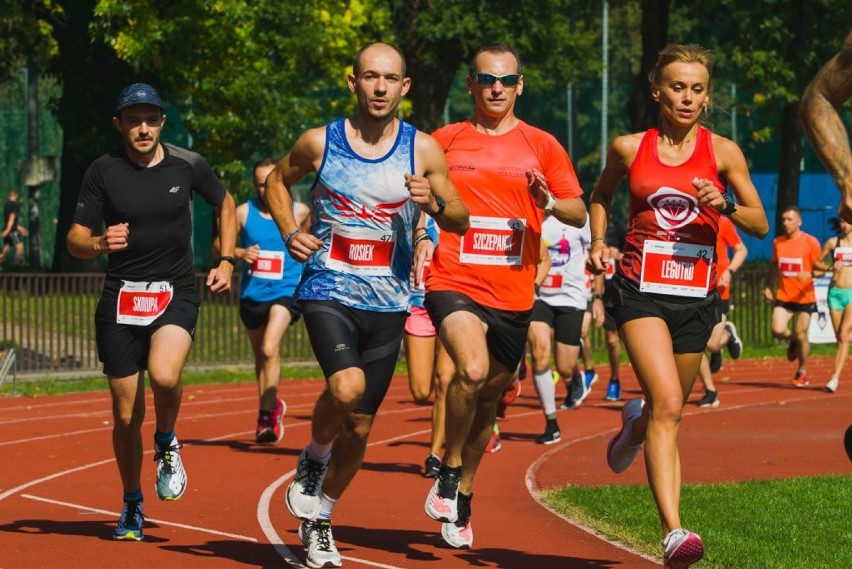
<point x="793" y="258"/>
<point x="480" y="287"/>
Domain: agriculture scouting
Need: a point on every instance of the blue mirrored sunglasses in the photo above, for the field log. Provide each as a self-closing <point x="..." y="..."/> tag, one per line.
<point x="488" y="80"/>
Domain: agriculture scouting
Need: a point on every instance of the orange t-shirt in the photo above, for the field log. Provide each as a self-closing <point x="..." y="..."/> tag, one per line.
<point x="727" y="237"/>
<point x="495" y="262"/>
<point x="791" y="257"/>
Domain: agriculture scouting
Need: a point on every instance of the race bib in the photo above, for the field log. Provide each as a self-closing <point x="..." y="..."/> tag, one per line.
<point x="790" y="266"/>
<point x="493" y="241"/>
<point x="268" y="265"/>
<point x="844" y="255"/>
<point x="678" y="269"/>
<point x="553" y="281"/>
<point x="424" y="271"/>
<point x="140" y="303"/>
<point x="361" y="251"/>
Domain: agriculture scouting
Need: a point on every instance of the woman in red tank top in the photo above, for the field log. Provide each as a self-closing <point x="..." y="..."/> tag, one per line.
<point x="666" y="298"/>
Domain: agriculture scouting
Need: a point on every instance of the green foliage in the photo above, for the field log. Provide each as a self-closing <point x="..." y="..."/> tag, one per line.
<point x="28" y="30"/>
<point x="248" y="77"/>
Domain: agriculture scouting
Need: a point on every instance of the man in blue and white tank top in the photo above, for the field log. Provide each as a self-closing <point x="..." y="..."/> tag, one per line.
<point x="267" y="305"/>
<point x="375" y="177"/>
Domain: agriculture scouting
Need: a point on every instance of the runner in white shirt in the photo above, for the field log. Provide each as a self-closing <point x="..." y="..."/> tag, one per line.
<point x="558" y="312"/>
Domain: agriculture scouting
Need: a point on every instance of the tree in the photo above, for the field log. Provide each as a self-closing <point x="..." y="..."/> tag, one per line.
<point x="778" y="45"/>
<point x="248" y="77"/>
<point x="439" y="36"/>
<point x="643" y="111"/>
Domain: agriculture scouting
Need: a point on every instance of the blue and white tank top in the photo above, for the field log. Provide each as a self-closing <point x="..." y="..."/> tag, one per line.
<point x="363" y="214"/>
<point x="418" y="294"/>
<point x="274" y="274"/>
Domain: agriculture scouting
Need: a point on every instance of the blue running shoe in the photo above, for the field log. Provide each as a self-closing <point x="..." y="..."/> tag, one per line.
<point x="591" y="379"/>
<point x="613" y="390"/>
<point x="130" y="523"/>
<point x="171" y="476"/>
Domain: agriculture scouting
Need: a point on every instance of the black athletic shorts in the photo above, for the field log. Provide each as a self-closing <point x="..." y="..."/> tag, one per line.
<point x="809" y="307"/>
<point x="609" y="295"/>
<point x="13" y="239"/>
<point x="566" y="321"/>
<point x="506" y="337"/>
<point x="123" y="348"/>
<point x="724" y="306"/>
<point x="342" y="337"/>
<point x="690" y="322"/>
<point x="255" y="314"/>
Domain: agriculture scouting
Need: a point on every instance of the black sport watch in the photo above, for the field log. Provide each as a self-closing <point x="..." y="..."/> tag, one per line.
<point x="442" y="205"/>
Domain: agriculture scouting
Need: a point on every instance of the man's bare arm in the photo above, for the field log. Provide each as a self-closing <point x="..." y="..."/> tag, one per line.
<point x="818" y="110"/>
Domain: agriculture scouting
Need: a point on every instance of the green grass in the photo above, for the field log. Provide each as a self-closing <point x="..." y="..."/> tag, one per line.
<point x="223" y="374"/>
<point x="777" y="524"/>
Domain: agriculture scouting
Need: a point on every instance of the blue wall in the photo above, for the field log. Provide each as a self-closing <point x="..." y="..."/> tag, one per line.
<point x="818" y="200"/>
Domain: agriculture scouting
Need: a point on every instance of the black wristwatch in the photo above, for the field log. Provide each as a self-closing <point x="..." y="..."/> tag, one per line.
<point x="730" y="207"/>
<point x="442" y="205"/>
<point x="231" y="260"/>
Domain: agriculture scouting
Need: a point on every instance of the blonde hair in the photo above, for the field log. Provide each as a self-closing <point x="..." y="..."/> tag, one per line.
<point x="679" y="53"/>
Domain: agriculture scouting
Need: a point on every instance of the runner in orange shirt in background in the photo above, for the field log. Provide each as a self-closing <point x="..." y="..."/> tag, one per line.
<point x="793" y="258"/>
<point x="480" y="287"/>
<point x="724" y="333"/>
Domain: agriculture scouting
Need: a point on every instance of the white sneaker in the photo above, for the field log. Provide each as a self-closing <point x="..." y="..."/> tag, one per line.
<point x="319" y="544"/>
<point x="622" y="449"/>
<point x="303" y="492"/>
<point x="442" y="501"/>
<point x="459" y="534"/>
<point x="831" y="386"/>
<point x="682" y="548"/>
<point x="171" y="475"/>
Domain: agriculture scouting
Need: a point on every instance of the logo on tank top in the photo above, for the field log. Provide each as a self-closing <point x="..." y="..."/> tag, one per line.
<point x="673" y="208"/>
<point x="349" y="208"/>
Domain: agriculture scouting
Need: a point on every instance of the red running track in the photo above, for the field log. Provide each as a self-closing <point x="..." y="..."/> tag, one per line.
<point x="60" y="492"/>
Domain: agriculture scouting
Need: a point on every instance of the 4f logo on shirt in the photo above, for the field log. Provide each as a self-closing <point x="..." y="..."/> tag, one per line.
<point x="673" y="208"/>
<point x="174" y="190"/>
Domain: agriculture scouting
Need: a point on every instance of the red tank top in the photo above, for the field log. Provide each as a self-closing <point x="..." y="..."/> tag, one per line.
<point x="667" y="224"/>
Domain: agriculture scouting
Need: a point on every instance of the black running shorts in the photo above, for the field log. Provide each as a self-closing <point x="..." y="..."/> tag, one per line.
<point x="566" y="321"/>
<point x="690" y="322"/>
<point x="809" y="307"/>
<point x="255" y="314"/>
<point x="342" y="337"/>
<point x="123" y="348"/>
<point x="506" y="337"/>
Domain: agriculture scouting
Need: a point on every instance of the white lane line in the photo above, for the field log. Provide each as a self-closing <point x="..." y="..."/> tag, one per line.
<point x="147" y="519"/>
<point x="263" y="507"/>
<point x="535" y="493"/>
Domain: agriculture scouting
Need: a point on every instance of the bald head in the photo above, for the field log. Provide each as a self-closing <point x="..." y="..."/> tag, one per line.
<point x="376" y="48"/>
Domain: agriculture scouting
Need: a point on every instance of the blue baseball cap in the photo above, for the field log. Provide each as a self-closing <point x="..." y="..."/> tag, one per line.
<point x="138" y="94"/>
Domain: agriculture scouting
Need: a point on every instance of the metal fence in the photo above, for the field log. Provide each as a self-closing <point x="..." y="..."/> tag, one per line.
<point x="49" y="320"/>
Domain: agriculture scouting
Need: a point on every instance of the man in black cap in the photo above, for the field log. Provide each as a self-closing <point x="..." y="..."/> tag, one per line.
<point x="146" y="315"/>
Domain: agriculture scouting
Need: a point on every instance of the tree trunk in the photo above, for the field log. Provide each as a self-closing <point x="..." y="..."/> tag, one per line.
<point x="84" y="114"/>
<point x="432" y="65"/>
<point x="33" y="152"/>
<point x="643" y="111"/>
<point x="791" y="158"/>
